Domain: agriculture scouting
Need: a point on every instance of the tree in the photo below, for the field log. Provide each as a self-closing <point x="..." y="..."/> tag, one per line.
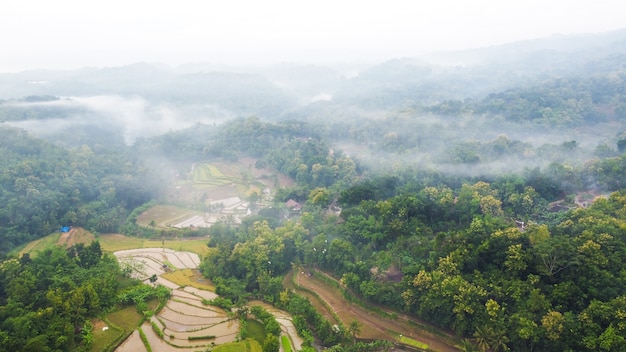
<point x="354" y="329"/>
<point x="553" y="324"/>
<point x="271" y="343"/>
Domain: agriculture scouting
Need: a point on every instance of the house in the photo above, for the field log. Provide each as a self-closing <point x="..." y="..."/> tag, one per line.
<point x="293" y="205"/>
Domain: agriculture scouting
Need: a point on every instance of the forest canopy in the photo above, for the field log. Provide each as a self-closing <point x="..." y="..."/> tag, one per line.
<point x="487" y="199"/>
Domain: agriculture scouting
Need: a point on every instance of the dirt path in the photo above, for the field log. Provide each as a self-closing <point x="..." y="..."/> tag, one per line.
<point x="373" y="326"/>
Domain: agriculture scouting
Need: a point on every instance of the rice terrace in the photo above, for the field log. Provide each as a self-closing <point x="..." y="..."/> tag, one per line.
<point x="207" y="192"/>
<point x="184" y="322"/>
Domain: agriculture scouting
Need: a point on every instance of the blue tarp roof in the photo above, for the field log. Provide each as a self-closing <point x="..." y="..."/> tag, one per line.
<point x="65" y="229"/>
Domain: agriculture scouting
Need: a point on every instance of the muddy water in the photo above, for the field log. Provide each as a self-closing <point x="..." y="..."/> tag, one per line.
<point x="193" y="310"/>
<point x="155" y="341"/>
<point x="184" y="315"/>
<point x="189" y="320"/>
<point x="166" y="283"/>
<point x="179" y="294"/>
<point x="132" y="344"/>
<point x="200" y="293"/>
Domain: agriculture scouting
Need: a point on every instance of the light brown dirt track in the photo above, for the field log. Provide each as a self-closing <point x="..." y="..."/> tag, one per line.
<point x="373" y="326"/>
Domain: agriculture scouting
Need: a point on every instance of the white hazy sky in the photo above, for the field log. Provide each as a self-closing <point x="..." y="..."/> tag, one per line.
<point x="76" y="33"/>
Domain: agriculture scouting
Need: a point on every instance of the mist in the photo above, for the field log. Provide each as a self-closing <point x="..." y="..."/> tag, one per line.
<point x="498" y="110"/>
<point x="128" y="117"/>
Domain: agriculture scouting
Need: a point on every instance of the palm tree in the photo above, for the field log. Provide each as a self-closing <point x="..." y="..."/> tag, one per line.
<point x="489" y="339"/>
<point x="468" y="346"/>
<point x="354" y="329"/>
<point x="482" y="337"/>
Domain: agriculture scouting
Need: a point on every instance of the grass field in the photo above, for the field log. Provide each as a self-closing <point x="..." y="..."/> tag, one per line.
<point x="411" y="342"/>
<point x="104" y="340"/>
<point x="256" y="330"/>
<point x="41" y="244"/>
<point x="123" y="321"/>
<point x="189" y="277"/>
<point x="248" y="345"/>
<point x="286" y="344"/>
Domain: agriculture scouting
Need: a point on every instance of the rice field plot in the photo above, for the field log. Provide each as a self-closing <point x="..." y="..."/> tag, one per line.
<point x="284" y="340"/>
<point x="132" y="344"/>
<point x="164" y="215"/>
<point x="117" y="242"/>
<point x="185" y="322"/>
<point x="189" y="277"/>
<point x="122" y="323"/>
<point x="146" y="262"/>
<point x="209" y="175"/>
<point x="249" y="345"/>
<point x="181" y="322"/>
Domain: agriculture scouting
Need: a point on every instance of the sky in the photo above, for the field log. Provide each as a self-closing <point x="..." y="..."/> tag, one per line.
<point x="67" y="34"/>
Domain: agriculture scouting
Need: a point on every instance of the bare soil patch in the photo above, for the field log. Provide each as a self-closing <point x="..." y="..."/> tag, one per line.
<point x="74" y="236"/>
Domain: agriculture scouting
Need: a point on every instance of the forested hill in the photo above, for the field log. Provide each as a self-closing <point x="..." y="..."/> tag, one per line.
<point x="44" y="187"/>
<point x="487" y="198"/>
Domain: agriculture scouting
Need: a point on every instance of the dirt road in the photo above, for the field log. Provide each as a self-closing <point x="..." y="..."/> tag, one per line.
<point x="373" y="326"/>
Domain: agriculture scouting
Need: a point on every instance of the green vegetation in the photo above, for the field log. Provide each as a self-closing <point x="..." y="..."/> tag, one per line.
<point x="249" y="345"/>
<point x="201" y="337"/>
<point x="255" y="330"/>
<point x="55" y="294"/>
<point x="209" y="175"/>
<point x="40" y="245"/>
<point x="144" y="339"/>
<point x="121" y="324"/>
<point x="412" y="342"/>
<point x="157" y="330"/>
<point x="488" y="206"/>
<point x="284" y="340"/>
<point x="49" y="187"/>
<point x="188" y="277"/>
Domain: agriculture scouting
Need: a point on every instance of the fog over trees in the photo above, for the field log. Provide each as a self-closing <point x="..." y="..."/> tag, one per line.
<point x="483" y="191"/>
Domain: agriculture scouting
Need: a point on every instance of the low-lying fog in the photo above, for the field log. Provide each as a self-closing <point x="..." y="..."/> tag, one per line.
<point x="130" y="117"/>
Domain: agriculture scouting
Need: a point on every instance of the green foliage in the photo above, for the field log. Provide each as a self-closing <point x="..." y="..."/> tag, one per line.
<point x="270" y="324"/>
<point x="144" y="339"/>
<point x="45" y="187"/>
<point x="201" y="337"/>
<point x="248" y="345"/>
<point x="271" y="343"/>
<point x="157" y="330"/>
<point x="221" y="302"/>
<point x="55" y="294"/>
<point x="286" y="344"/>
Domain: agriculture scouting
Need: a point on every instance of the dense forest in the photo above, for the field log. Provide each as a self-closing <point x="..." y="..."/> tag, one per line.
<point x="488" y="199"/>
